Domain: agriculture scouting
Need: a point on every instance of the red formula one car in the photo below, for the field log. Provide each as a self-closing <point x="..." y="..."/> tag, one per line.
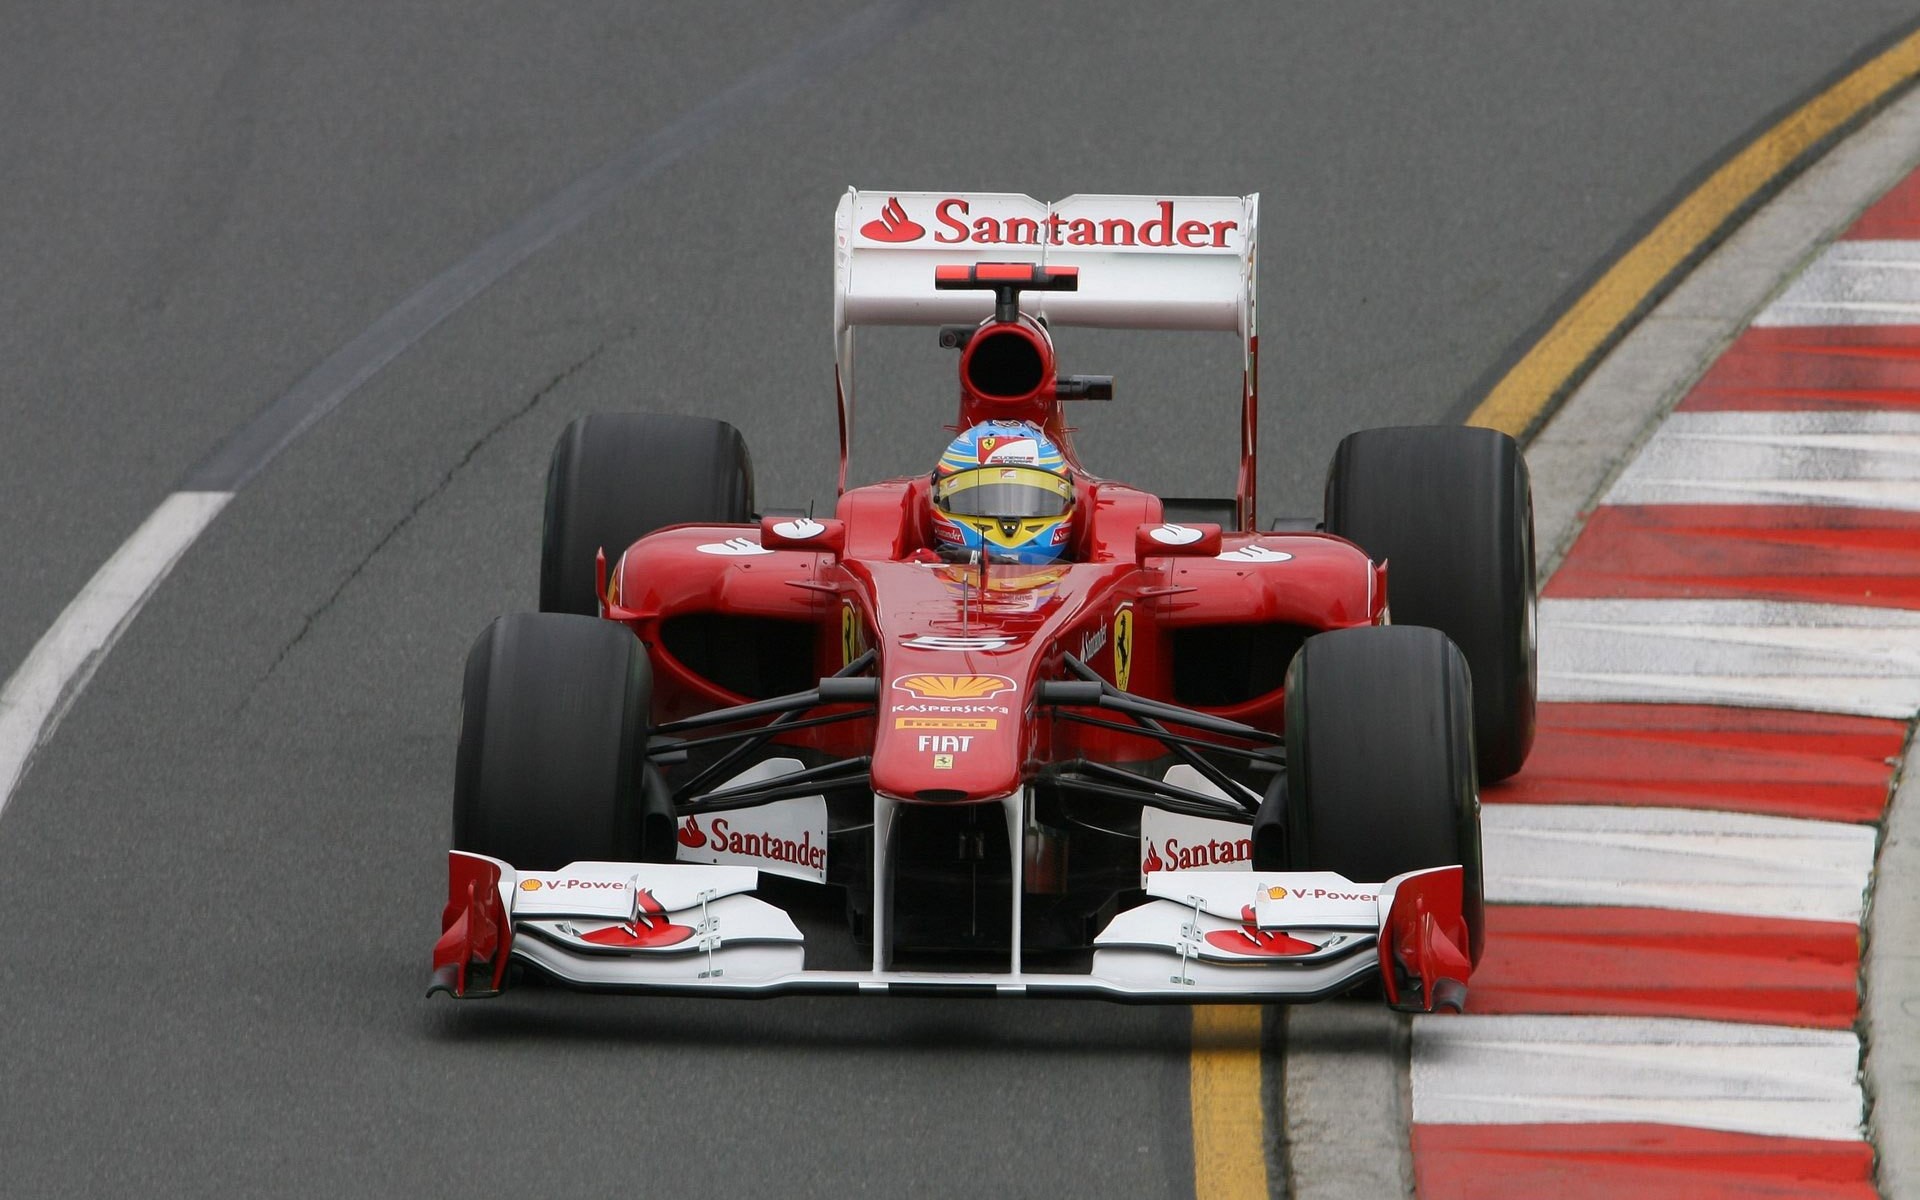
<point x="1009" y="727"/>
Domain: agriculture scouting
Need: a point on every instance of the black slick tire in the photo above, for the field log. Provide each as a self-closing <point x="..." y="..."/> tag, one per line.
<point x="553" y="729"/>
<point x="1450" y="510"/>
<point x="615" y="477"/>
<point x="1380" y="762"/>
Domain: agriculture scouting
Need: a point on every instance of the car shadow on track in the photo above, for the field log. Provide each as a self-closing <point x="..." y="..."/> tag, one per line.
<point x="809" y="1024"/>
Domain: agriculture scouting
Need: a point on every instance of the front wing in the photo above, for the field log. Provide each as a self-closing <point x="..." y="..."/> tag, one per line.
<point x="1202" y="936"/>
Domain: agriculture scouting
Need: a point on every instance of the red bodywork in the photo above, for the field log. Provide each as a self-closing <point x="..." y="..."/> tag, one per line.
<point x="958" y="752"/>
<point x="876" y="593"/>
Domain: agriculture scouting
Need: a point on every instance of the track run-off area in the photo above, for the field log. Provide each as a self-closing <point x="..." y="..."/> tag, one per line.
<point x="334" y="278"/>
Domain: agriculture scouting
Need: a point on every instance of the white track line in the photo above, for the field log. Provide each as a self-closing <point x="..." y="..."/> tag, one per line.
<point x="64" y="658"/>
<point x="1523" y="1070"/>
<point x="1695" y="861"/>
<point x="37" y="695"/>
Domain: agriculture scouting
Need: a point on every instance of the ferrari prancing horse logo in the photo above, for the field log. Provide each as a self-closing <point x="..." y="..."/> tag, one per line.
<point x="1123" y="646"/>
<point x="853" y="634"/>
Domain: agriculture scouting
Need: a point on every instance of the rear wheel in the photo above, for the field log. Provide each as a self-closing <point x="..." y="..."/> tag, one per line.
<point x="616" y="477"/>
<point x="1380" y="763"/>
<point x="553" y="729"/>
<point x="1450" y="510"/>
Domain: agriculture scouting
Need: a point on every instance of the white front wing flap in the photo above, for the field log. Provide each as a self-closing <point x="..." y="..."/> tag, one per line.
<point x="1258" y="936"/>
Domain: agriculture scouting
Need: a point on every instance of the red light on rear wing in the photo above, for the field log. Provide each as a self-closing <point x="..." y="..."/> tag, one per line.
<point x="1030" y="276"/>
<point x="1006" y="281"/>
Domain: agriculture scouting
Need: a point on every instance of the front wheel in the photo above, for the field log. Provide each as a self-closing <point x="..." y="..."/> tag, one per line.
<point x="553" y="730"/>
<point x="1380" y="762"/>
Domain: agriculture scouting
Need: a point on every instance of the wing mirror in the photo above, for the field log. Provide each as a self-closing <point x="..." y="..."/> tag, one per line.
<point x="803" y="533"/>
<point x="1191" y="540"/>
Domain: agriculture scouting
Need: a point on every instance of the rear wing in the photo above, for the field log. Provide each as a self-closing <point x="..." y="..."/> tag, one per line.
<point x="1146" y="262"/>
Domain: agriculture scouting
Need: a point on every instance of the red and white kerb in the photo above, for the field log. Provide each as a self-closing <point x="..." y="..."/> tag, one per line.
<point x="1729" y="656"/>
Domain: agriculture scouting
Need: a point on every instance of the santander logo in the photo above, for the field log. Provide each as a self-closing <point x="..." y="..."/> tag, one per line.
<point x="649" y="928"/>
<point x="691" y="835"/>
<point x="1255" y="942"/>
<point x="893" y="225"/>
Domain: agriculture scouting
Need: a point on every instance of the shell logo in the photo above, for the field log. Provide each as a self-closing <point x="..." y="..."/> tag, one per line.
<point x="953" y="687"/>
<point x="1276" y="893"/>
<point x="529" y="885"/>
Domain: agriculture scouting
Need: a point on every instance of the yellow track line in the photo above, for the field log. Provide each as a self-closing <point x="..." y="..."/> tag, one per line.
<point x="1522" y="396"/>
<point x="1229" y="1119"/>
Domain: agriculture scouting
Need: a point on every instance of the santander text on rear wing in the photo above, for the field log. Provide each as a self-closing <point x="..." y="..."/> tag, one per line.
<point x="1144" y="262"/>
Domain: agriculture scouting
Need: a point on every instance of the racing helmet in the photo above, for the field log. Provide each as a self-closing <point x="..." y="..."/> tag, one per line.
<point x="1002" y="488"/>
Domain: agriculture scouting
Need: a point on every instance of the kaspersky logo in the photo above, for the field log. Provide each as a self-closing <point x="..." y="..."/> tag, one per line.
<point x="893" y="225"/>
<point x="953" y="687"/>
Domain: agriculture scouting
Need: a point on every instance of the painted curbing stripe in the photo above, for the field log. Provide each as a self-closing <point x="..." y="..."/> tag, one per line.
<point x="1716" y="862"/>
<point x="1852" y="283"/>
<point x="1893" y="217"/>
<point x="1815" y="369"/>
<point x="1865" y="459"/>
<point x="37" y="695"/>
<point x="1857" y="556"/>
<point x="1774" y="616"/>
<point x="1647" y="1162"/>
<point x="1759" y="1079"/>
<point x="1820" y="693"/>
<point x="1764" y="654"/>
<point x="1767" y="761"/>
<point x="1650" y="962"/>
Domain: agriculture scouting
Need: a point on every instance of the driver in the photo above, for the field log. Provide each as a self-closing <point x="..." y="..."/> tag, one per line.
<point x="1002" y="488"/>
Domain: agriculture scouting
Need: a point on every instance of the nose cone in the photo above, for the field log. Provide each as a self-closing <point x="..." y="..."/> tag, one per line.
<point x="949" y="736"/>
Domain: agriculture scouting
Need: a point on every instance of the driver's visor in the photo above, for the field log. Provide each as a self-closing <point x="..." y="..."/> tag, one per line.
<point x="1004" y="493"/>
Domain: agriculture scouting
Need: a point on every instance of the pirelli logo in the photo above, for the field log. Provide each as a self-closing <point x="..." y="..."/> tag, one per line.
<point x="981" y="723"/>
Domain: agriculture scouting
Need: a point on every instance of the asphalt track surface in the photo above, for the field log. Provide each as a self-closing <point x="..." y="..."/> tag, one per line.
<point x="222" y="876"/>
